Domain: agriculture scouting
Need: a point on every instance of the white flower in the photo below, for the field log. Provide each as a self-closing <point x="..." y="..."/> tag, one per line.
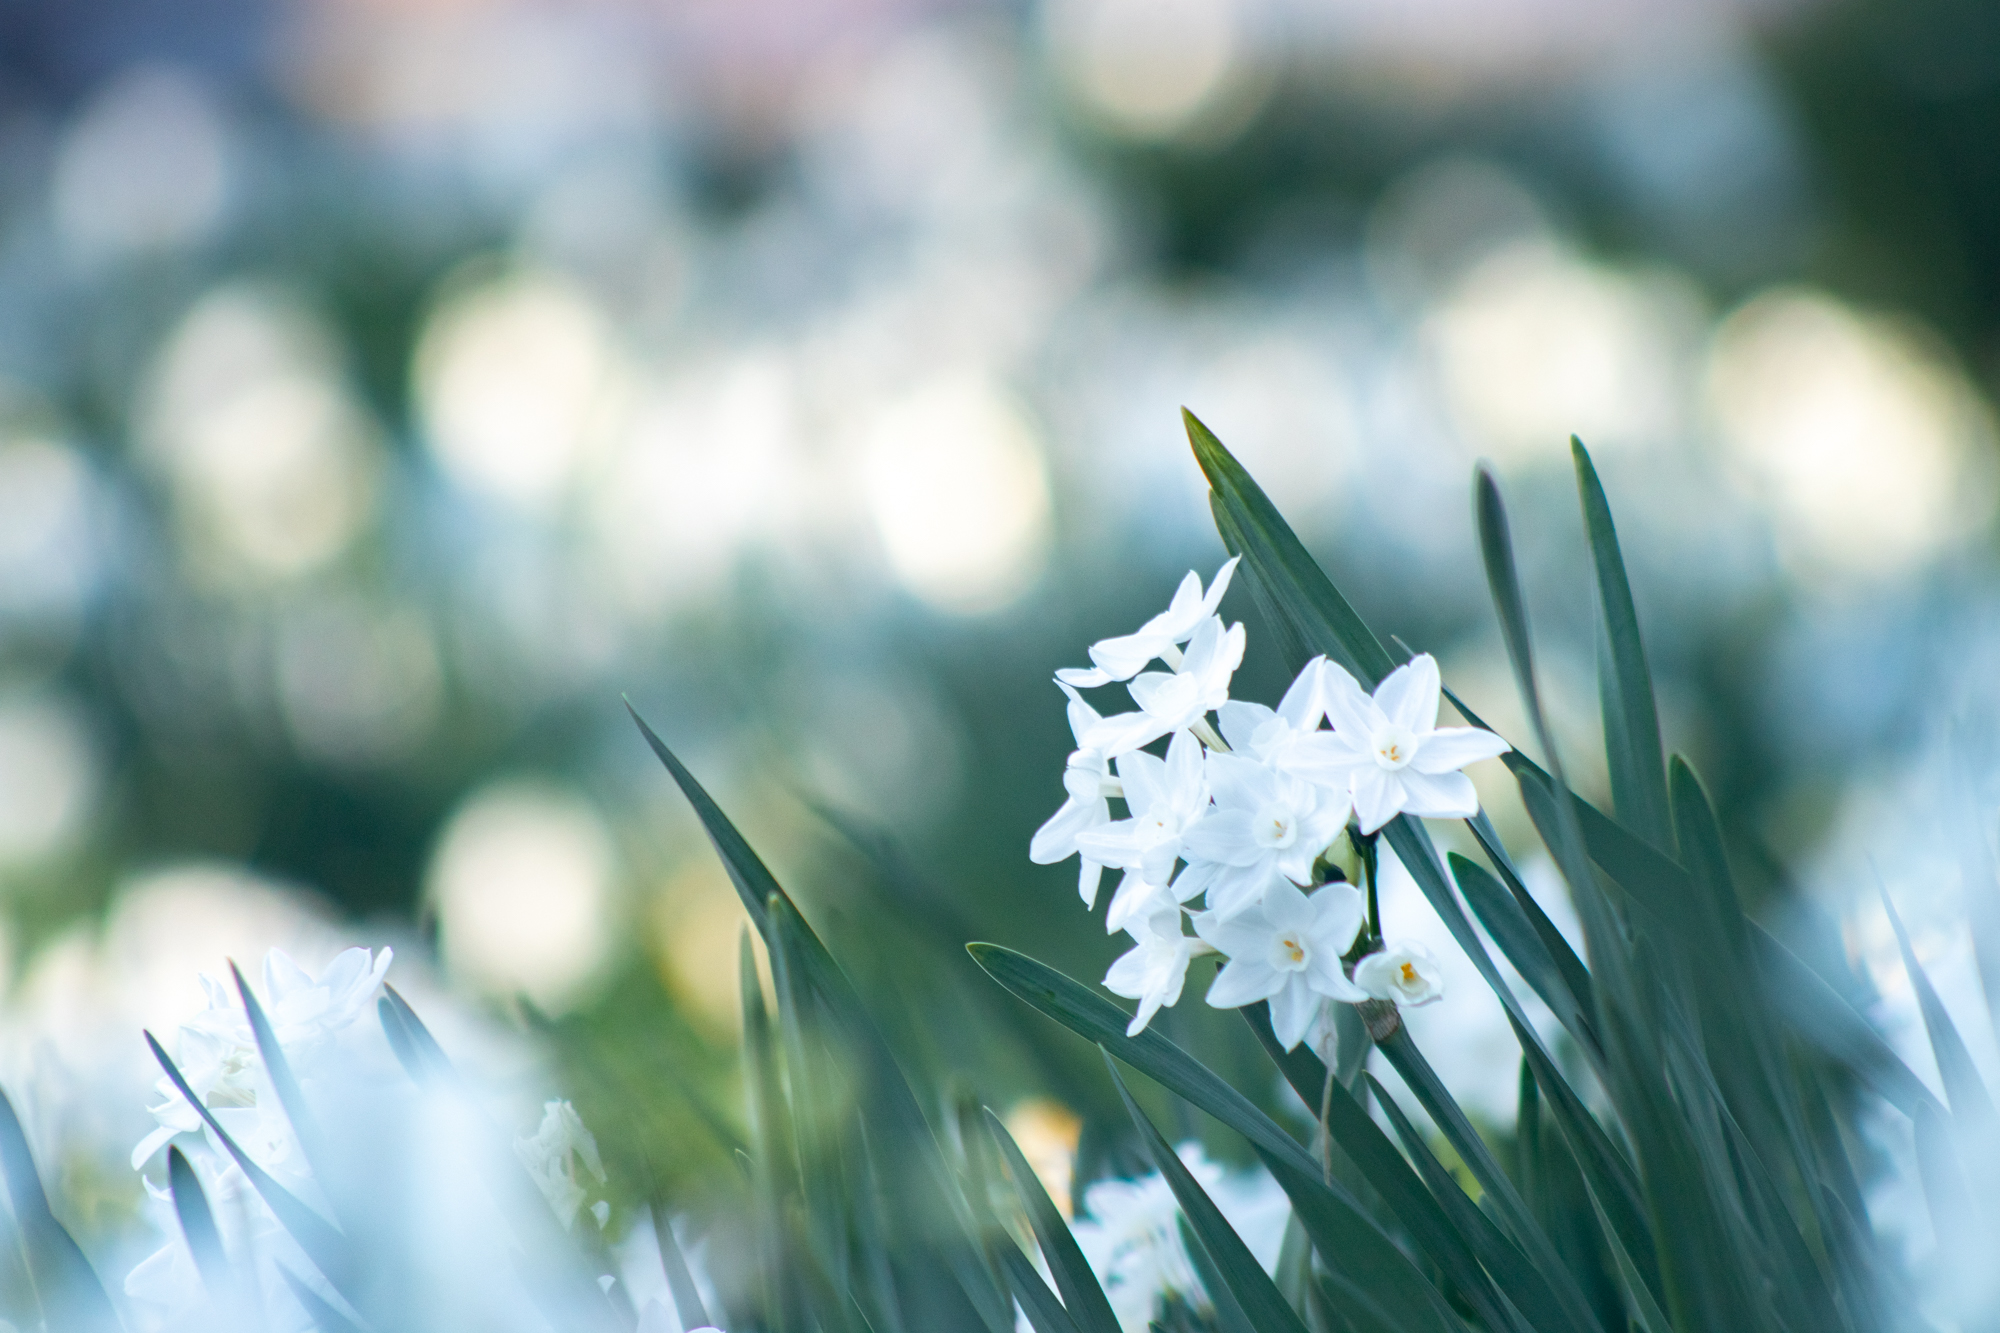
<point x="1165" y="797"/>
<point x="1087" y="779"/>
<point x="1129" y="1232"/>
<point x="217" y="1051"/>
<point x="551" y="1157"/>
<point x="1265" y="826"/>
<point x="1389" y="751"/>
<point x="1154" y="971"/>
<point x="1122" y="658"/>
<point x="1171" y="701"/>
<point x="1261" y="733"/>
<point x="1286" y="950"/>
<point x="1404" y="972"/>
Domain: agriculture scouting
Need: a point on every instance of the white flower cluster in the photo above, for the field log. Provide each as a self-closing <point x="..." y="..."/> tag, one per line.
<point x="1245" y="815"/>
<point x="216" y="1052"/>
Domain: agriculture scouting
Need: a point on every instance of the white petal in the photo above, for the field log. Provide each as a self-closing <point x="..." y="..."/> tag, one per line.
<point x="1326" y="978"/>
<point x="1239" y="782"/>
<point x="1304" y="703"/>
<point x="1338" y="911"/>
<point x="1292" y="1011"/>
<point x="1439" y="795"/>
<point x="1186" y="790"/>
<point x="1196" y="879"/>
<point x="1135" y="899"/>
<point x="1237" y="890"/>
<point x="1353" y="714"/>
<point x="1244" y="980"/>
<point x="1239" y="720"/>
<point x="1224" y="836"/>
<point x="1055" y="840"/>
<point x="1082" y="717"/>
<point x="1186" y="606"/>
<point x="1234" y="937"/>
<point x="1286" y="908"/>
<point x="1408" y="696"/>
<point x="1378" y="796"/>
<point x="1327" y="759"/>
<point x="1123" y="657"/>
<point x="1089" y="876"/>
<point x="1124" y="732"/>
<point x="1220" y="585"/>
<point x="1144" y="776"/>
<point x="1085" y="678"/>
<point x="1450" y="748"/>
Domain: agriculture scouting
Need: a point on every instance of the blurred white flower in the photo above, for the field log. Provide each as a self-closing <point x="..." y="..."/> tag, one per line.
<point x="1166" y="797"/>
<point x="551" y="1156"/>
<point x="1155" y="969"/>
<point x="1405" y="972"/>
<point x="1177" y="700"/>
<point x="217" y="1051"/>
<point x="1129" y="1232"/>
<point x="1389" y="751"/>
<point x="1286" y="950"/>
<point x="1265" y="825"/>
<point x="1123" y="657"/>
<point x="1087" y="778"/>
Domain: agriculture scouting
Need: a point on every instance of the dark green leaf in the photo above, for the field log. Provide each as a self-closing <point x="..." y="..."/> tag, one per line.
<point x="204" y="1241"/>
<point x="1045" y="1313"/>
<point x="1515" y="934"/>
<point x="290" y="1097"/>
<point x="1081" y="1294"/>
<point x="1318" y="615"/>
<point x="680" y="1282"/>
<point x="1238" y="1269"/>
<point x="1971" y="1104"/>
<point x="1227" y="1312"/>
<point x="1631" y="719"/>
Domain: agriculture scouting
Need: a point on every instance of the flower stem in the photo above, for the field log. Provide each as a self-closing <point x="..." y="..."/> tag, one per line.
<point x="1365" y="844"/>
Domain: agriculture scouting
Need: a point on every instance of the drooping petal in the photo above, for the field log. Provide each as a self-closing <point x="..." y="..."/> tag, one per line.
<point x="1353" y="714"/>
<point x="1082" y="717"/>
<point x="1451" y="748"/>
<point x="1244" y="980"/>
<point x="1239" y="720"/>
<point x="1089" y="877"/>
<point x="1293" y="1009"/>
<point x="1325" y="976"/>
<point x="1439" y="795"/>
<point x="1125" y="656"/>
<point x="1055" y="840"/>
<point x="1084" y="678"/>
<point x="1378" y="796"/>
<point x="1135" y="897"/>
<point x="1408" y="696"/>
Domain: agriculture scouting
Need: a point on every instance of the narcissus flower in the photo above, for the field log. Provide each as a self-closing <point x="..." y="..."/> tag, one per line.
<point x="1087" y="778"/>
<point x="1155" y="969"/>
<point x="1404" y="972"/>
<point x="1124" y="657"/>
<point x="1257" y="732"/>
<point x="1266" y="825"/>
<point x="1287" y="950"/>
<point x="1388" y="751"/>
<point x="1166" y="797"/>
<point x="1171" y="701"/>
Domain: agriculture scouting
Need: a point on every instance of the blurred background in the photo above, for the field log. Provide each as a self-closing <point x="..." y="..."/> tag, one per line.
<point x="387" y="388"/>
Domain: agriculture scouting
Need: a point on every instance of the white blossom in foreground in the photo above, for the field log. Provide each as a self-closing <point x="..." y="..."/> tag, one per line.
<point x="1257" y="732"/>
<point x="1088" y="781"/>
<point x="1129" y="1232"/>
<point x="1405" y="972"/>
<point x="1388" y="750"/>
<point x="1124" y="657"/>
<point x="1166" y="797"/>
<point x="1287" y="949"/>
<point x="1265" y="826"/>
<point x="551" y="1155"/>
<point x="217" y="1052"/>
<point x="1173" y="701"/>
<point x="1155" y="969"/>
